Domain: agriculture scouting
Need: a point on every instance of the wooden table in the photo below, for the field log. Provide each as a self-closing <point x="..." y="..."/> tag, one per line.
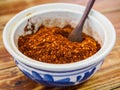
<point x="107" y="78"/>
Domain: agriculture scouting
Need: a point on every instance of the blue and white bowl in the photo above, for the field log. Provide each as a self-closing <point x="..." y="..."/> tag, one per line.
<point x="59" y="14"/>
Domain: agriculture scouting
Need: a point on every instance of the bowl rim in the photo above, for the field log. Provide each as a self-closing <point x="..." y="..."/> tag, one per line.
<point x="57" y="67"/>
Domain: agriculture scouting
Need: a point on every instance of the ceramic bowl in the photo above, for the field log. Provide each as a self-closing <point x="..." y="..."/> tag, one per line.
<point x="59" y="14"/>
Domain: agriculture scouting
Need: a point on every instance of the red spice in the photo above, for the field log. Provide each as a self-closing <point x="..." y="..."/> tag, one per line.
<point x="51" y="45"/>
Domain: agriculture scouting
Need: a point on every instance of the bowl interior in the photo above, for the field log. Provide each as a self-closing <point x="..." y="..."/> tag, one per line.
<point x="60" y="19"/>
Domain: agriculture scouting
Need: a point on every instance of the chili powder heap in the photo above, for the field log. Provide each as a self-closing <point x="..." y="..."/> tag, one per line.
<point x="51" y="45"/>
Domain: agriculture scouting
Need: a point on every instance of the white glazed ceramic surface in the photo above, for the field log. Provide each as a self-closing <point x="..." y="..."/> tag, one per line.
<point x="59" y="14"/>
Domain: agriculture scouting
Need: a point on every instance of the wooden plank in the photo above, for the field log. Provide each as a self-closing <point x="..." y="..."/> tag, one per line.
<point x="13" y="79"/>
<point x="12" y="7"/>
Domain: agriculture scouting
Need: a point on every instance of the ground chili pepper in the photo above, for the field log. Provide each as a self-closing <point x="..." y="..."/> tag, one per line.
<point x="51" y="45"/>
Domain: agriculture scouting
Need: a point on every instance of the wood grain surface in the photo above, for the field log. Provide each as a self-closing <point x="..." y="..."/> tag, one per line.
<point x="107" y="78"/>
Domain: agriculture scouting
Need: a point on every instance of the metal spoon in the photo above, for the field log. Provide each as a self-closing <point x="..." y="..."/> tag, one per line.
<point x="76" y="34"/>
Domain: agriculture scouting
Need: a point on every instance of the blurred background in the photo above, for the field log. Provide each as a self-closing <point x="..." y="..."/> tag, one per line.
<point x="107" y="78"/>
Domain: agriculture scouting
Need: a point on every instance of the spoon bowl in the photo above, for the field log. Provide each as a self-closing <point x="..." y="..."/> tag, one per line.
<point x="76" y="34"/>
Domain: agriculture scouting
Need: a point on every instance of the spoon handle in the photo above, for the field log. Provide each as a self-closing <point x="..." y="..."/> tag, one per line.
<point x="87" y="10"/>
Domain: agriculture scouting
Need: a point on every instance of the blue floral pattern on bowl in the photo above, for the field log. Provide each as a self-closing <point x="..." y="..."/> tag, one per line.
<point x="51" y="79"/>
